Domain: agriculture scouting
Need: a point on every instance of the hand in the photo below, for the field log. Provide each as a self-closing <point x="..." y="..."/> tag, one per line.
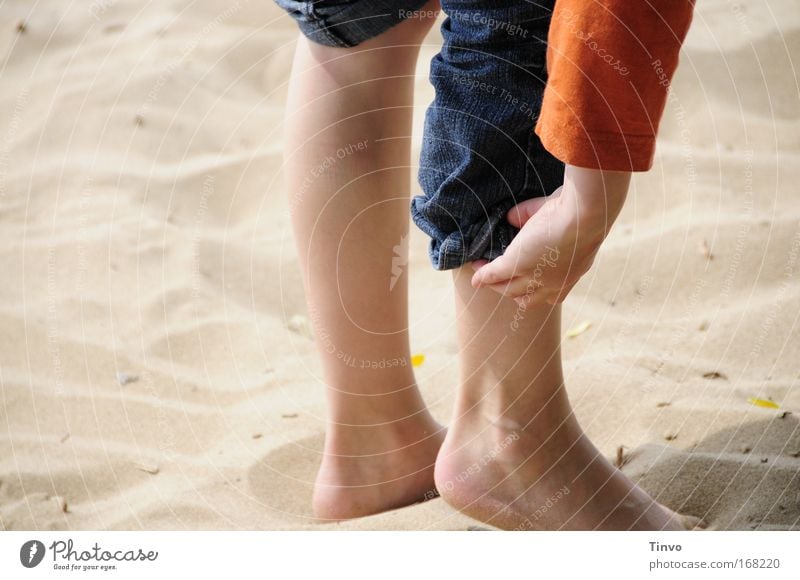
<point x="558" y="239"/>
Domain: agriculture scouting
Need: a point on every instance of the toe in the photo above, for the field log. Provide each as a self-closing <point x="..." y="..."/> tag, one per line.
<point x="692" y="522"/>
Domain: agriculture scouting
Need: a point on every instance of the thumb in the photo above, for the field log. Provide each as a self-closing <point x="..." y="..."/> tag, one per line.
<point x="519" y="215"/>
<point x="499" y="270"/>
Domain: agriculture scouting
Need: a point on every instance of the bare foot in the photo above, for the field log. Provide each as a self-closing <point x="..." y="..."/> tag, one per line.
<point x="543" y="477"/>
<point x="367" y="470"/>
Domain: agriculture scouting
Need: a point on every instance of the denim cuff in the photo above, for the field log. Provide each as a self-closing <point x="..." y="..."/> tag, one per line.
<point x="348" y="23"/>
<point x="451" y="248"/>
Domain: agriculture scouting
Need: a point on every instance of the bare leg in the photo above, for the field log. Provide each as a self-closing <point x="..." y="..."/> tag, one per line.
<point x="515" y="456"/>
<point x="348" y="168"/>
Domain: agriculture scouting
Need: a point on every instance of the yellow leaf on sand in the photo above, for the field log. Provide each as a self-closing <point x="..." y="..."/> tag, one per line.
<point x="763" y="403"/>
<point x="580" y="329"/>
<point x="417" y="360"/>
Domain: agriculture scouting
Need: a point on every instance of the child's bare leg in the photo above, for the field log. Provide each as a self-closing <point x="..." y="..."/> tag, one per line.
<point x="348" y="168"/>
<point x="515" y="456"/>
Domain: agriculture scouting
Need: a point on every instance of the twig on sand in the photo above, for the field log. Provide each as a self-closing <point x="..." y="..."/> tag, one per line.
<point x="147" y="468"/>
<point x="622" y="459"/>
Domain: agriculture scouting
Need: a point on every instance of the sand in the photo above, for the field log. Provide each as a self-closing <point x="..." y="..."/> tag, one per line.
<point x="155" y="360"/>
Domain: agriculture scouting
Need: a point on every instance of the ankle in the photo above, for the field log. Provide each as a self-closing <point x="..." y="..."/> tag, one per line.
<point x="396" y="408"/>
<point x="384" y="437"/>
<point x="534" y="415"/>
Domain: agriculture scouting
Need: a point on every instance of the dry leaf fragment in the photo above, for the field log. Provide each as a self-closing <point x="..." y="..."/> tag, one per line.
<point x="714" y="375"/>
<point x="706" y="251"/>
<point x="579" y="329"/>
<point x="299" y="324"/>
<point x="766" y="403"/>
<point x="61" y="503"/>
<point x="147" y="468"/>
<point x="417" y="360"/>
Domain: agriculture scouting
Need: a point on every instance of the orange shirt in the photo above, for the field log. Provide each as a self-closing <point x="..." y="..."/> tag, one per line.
<point x="609" y="64"/>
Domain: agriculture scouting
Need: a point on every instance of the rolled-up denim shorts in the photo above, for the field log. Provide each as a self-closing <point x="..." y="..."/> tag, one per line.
<point x="480" y="156"/>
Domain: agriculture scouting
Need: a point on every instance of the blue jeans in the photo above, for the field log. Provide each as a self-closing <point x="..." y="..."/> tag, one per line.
<point x="480" y="155"/>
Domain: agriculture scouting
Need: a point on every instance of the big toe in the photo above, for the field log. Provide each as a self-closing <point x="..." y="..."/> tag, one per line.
<point x="686" y="521"/>
<point x="692" y="522"/>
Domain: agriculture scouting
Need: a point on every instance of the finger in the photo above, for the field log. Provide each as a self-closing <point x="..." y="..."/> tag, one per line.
<point x="532" y="300"/>
<point x="521" y="287"/>
<point x="518" y="215"/>
<point x="540" y="297"/>
<point x="500" y="270"/>
<point x="558" y="297"/>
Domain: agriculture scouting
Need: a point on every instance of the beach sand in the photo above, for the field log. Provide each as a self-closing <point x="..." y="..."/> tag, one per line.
<point x="155" y="360"/>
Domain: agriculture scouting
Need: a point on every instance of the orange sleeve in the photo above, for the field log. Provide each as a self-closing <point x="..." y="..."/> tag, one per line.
<point x="610" y="63"/>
